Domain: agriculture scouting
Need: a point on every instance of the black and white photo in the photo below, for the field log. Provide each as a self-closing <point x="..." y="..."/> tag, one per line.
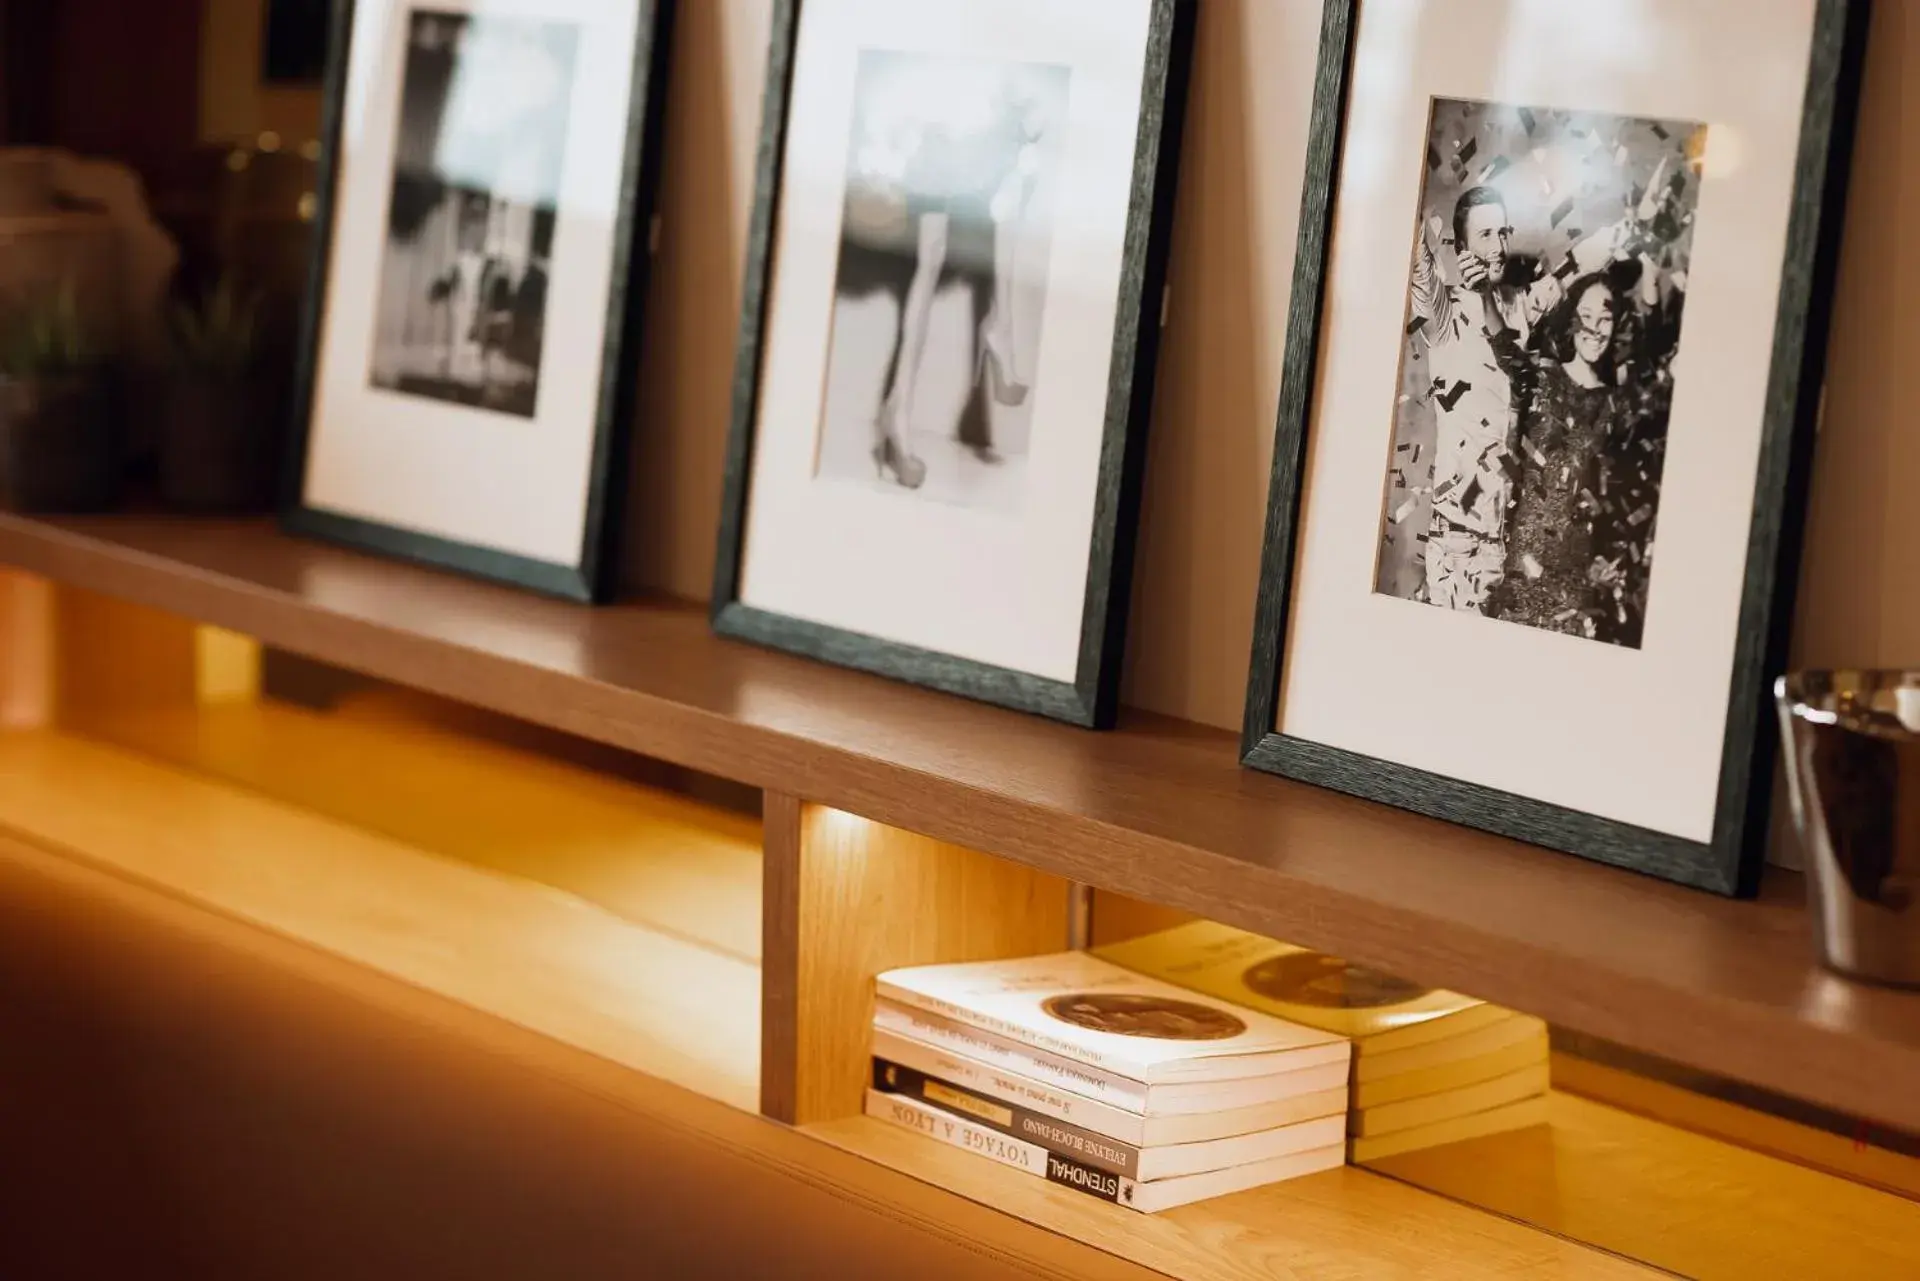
<point x="947" y="353"/>
<point x="940" y="294"/>
<point x="1552" y="371"/>
<point x="483" y="222"/>
<point x="476" y="190"/>
<point x="1544" y="311"/>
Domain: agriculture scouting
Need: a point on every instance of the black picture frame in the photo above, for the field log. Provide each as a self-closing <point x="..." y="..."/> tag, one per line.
<point x="294" y="42"/>
<point x="593" y="578"/>
<point x="1091" y="699"/>
<point x="1730" y="862"/>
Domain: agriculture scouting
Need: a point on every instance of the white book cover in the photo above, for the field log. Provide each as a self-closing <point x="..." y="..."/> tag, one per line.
<point x="1023" y="1091"/>
<point x="897" y="1109"/>
<point x="1168" y="1194"/>
<point x="1091" y="1011"/>
<point x="1147" y="1198"/>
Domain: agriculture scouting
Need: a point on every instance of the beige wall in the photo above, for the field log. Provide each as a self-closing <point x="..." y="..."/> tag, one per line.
<point x="1220" y="374"/>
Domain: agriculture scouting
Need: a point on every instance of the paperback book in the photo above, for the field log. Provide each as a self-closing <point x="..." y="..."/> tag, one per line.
<point x="1500" y="1120"/>
<point x="1090" y="1011"/>
<point x="1146" y="1197"/>
<point x="1145" y="1164"/>
<point x="1378" y="1012"/>
<point x="1021" y="1089"/>
<point x="1431" y="1109"/>
<point x="1530" y="1051"/>
<point x="1167" y="1099"/>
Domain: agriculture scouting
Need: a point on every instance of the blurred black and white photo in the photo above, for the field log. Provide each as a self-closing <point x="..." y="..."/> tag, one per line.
<point x="941" y="287"/>
<point x="482" y="140"/>
<point x="1549" y="275"/>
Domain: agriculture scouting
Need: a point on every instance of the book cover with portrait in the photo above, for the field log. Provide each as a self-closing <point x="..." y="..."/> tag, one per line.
<point x="1093" y="1011"/>
<point x="1380" y="1012"/>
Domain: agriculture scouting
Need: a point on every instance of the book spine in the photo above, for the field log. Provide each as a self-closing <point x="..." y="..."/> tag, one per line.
<point x="1020" y="1088"/>
<point x="1055" y="1136"/>
<point x="957" y="1132"/>
<point x="1012" y="1056"/>
<point x="999" y="1027"/>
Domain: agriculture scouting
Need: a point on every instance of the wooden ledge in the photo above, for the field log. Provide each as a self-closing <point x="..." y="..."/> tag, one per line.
<point x="1160" y="810"/>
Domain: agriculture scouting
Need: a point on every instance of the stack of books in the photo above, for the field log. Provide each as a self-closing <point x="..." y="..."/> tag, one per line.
<point x="1105" y="1081"/>
<point x="1430" y="1067"/>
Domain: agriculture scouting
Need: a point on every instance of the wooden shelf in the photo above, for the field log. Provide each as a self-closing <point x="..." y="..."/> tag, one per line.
<point x="1344" y="1223"/>
<point x="652" y="858"/>
<point x="496" y="937"/>
<point x="1701" y="1207"/>
<point x="1160" y="811"/>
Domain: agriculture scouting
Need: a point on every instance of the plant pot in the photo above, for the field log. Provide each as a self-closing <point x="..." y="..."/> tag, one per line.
<point x="59" y="445"/>
<point x="219" y="444"/>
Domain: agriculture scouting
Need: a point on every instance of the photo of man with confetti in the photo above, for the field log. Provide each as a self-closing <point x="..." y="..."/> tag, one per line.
<point x="1542" y="326"/>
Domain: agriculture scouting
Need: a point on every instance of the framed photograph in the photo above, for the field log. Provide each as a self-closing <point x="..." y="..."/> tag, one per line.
<point x="954" y="300"/>
<point x="466" y="383"/>
<point x="1553" y="371"/>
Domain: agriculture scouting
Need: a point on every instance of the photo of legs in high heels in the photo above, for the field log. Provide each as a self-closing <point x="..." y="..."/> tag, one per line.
<point x="941" y="284"/>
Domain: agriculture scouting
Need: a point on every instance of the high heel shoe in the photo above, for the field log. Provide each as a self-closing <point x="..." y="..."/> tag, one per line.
<point x="890" y="456"/>
<point x="994" y="364"/>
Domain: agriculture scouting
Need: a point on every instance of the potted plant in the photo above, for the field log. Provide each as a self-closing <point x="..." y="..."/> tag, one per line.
<point x="59" y="436"/>
<point x="219" y="414"/>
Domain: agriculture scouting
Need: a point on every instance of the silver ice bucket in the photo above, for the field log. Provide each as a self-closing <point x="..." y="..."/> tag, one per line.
<point x="1853" y="776"/>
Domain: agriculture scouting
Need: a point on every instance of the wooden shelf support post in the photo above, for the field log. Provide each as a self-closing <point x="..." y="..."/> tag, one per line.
<point x="847" y="899"/>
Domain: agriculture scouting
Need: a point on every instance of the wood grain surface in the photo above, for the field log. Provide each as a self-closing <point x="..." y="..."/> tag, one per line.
<point x="1159" y="810"/>
<point x="317" y="1119"/>
<point x="1343" y="1225"/>
<point x="500" y="942"/>
<point x="1860" y="1157"/>
<point x="1698" y="1206"/>
<point x="873" y="898"/>
<point x="674" y="866"/>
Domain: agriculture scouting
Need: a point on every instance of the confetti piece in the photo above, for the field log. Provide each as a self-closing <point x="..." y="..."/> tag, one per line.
<point x="1660" y="132"/>
<point x="1433" y="158"/>
<point x="1533" y="567"/>
<point x="1527" y="120"/>
<point x="1468" y="152"/>
<point x="1404" y="510"/>
<point x="1560" y="214"/>
<point x="1499" y="166"/>
<point x="1452" y="396"/>
<point x="1539" y="459"/>
<point x="1415" y="325"/>
<point x="1640" y="517"/>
